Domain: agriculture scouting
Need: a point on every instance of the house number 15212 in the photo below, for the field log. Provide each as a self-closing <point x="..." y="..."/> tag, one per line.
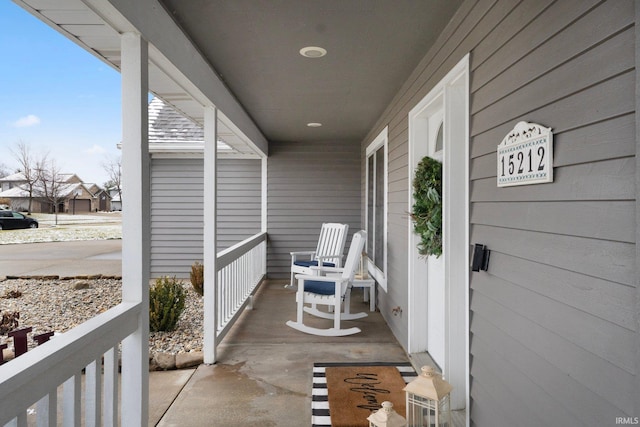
<point x="525" y="156"/>
<point x="519" y="159"/>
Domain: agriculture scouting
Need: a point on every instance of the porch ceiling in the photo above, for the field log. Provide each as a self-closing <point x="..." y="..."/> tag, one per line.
<point x="372" y="45"/>
<point x="253" y="45"/>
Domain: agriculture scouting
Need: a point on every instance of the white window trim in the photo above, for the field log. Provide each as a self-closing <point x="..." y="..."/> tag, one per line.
<point x="382" y="140"/>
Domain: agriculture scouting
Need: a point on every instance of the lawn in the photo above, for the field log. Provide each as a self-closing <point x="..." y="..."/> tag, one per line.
<point x="69" y="227"/>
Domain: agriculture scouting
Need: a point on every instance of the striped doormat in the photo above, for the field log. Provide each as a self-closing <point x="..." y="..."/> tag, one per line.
<point x="320" y="416"/>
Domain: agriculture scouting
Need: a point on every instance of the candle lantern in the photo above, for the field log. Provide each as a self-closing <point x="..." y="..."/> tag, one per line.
<point x="386" y="417"/>
<point x="428" y="401"/>
<point x="362" y="267"/>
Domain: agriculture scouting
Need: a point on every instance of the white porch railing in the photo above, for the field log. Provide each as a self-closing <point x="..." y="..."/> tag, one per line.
<point x="240" y="270"/>
<point x="35" y="377"/>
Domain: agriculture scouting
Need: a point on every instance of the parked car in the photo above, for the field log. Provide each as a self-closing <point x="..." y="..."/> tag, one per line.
<point x="10" y="220"/>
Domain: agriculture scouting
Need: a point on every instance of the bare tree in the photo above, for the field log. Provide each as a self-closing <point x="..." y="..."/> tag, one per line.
<point x="50" y="185"/>
<point x="29" y="165"/>
<point x="4" y="170"/>
<point x="113" y="167"/>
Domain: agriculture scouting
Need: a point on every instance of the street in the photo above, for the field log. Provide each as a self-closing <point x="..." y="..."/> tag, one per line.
<point x="71" y="258"/>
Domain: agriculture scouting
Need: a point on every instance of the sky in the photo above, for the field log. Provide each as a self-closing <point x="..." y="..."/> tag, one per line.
<point x="56" y="98"/>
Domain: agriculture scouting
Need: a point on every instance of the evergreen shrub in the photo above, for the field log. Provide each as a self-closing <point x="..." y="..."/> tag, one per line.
<point x="166" y="303"/>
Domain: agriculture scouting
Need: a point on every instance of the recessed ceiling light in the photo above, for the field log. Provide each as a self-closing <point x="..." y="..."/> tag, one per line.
<point x="313" y="52"/>
<point x="314" y="125"/>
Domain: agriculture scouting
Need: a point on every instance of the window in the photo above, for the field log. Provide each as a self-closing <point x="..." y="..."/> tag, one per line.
<point x="376" y="211"/>
<point x="439" y="139"/>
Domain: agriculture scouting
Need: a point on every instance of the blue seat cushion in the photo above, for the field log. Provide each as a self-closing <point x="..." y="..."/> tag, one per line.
<point x="320" y="288"/>
<point x="313" y="264"/>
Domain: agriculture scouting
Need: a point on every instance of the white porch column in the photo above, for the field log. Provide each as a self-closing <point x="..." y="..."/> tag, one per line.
<point x="264" y="194"/>
<point x="210" y="234"/>
<point x="135" y="226"/>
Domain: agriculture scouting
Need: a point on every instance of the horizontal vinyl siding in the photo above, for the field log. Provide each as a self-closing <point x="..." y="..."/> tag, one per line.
<point x="177" y="204"/>
<point x="239" y="200"/>
<point x="553" y="322"/>
<point x="308" y="184"/>
<point x="555" y="313"/>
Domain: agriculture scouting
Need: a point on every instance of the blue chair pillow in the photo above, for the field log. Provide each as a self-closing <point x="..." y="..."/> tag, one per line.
<point x="313" y="264"/>
<point x="320" y="288"/>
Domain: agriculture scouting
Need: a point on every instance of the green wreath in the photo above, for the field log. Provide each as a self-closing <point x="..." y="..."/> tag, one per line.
<point x="427" y="206"/>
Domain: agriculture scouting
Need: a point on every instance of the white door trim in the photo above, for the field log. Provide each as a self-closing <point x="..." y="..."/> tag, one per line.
<point x="453" y="92"/>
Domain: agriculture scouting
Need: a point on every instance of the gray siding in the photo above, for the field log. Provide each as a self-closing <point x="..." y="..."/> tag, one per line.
<point x="239" y="200"/>
<point x="176" y="210"/>
<point x="308" y="184"/>
<point x="554" y="337"/>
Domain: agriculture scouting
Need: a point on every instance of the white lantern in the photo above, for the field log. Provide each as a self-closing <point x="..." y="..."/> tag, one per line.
<point x="428" y="400"/>
<point x="362" y="267"/>
<point x="386" y="417"/>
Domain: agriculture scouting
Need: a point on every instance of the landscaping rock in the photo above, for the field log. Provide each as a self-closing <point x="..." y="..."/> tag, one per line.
<point x="165" y="361"/>
<point x="7" y="354"/>
<point x="153" y="366"/>
<point x="188" y="360"/>
<point x="81" y="284"/>
<point x="48" y="305"/>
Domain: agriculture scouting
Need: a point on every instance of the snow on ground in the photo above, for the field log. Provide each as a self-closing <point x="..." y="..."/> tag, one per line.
<point x="70" y="227"/>
<point x="66" y="219"/>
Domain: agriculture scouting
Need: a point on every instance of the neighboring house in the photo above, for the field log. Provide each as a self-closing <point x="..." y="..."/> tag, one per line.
<point x="115" y="200"/>
<point x="74" y="195"/>
<point x="19" y="199"/>
<point x="549" y="335"/>
<point x="77" y="198"/>
<point x="102" y="197"/>
<point x="71" y="178"/>
<point x="103" y="200"/>
<point x="10" y="181"/>
<point x="177" y="173"/>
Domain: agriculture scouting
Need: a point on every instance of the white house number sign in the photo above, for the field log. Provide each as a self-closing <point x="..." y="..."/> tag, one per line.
<point x="525" y="156"/>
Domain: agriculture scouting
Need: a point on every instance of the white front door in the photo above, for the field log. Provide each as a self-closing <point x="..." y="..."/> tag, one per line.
<point x="428" y="273"/>
<point x="438" y="288"/>
<point x="436" y="320"/>
<point x="435" y="279"/>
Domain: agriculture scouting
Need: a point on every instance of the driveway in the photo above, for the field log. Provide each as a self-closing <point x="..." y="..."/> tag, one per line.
<point x="72" y="258"/>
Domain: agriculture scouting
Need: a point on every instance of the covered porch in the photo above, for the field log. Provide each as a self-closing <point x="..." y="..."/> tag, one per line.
<point x="273" y="362"/>
<point x="264" y="370"/>
<point x="309" y="175"/>
<point x="339" y="100"/>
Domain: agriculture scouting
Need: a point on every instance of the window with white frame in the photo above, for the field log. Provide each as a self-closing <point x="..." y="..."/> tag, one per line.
<point x="376" y="207"/>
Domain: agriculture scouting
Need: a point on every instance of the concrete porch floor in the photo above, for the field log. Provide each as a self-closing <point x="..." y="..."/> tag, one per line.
<point x="264" y="370"/>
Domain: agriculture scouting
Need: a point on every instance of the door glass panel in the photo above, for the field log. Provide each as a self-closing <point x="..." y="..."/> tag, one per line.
<point x="379" y="210"/>
<point x="370" y="212"/>
<point x="439" y="138"/>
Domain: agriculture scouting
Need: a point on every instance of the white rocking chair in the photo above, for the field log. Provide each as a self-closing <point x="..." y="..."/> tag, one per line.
<point x="328" y="253"/>
<point x="332" y="291"/>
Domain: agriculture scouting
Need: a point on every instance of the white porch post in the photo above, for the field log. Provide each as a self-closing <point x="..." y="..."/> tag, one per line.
<point x="210" y="235"/>
<point x="135" y="226"/>
<point x="264" y="194"/>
